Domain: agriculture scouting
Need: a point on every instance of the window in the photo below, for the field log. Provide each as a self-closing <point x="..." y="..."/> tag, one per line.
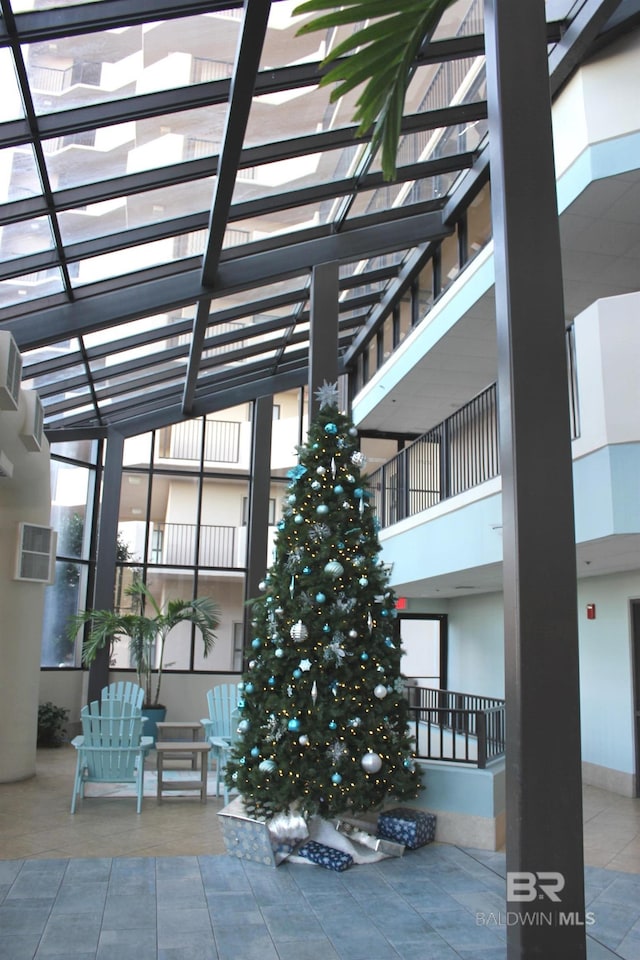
<point x="245" y="511"/>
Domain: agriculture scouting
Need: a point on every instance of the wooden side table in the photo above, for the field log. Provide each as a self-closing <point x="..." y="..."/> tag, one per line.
<point x="174" y="748"/>
<point x="181" y="727"/>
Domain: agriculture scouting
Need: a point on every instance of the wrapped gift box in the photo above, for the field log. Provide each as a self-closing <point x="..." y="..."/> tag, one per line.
<point x="405" y="825"/>
<point x="325" y="856"/>
<point x="264" y="841"/>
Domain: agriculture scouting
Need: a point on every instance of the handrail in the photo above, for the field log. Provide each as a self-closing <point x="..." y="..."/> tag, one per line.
<point x="456" y="727"/>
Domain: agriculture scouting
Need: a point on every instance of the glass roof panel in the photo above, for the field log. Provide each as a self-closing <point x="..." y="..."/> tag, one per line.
<point x="464" y="18"/>
<point x="20" y="179"/>
<point x="115" y="64"/>
<point x="125" y="148"/>
<point x="11" y="107"/>
<point x="23" y="6"/>
<point x="22" y="239"/>
<point x="136" y="210"/>
<point x="30" y="286"/>
<point x="139" y="257"/>
<point x="138" y="336"/>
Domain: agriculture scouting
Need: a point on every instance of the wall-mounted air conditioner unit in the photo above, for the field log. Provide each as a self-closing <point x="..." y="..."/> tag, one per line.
<point x="33" y="427"/>
<point x="35" y="553"/>
<point x="10" y="372"/>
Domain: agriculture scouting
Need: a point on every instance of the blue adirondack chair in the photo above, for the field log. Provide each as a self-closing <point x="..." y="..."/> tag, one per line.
<point x="220" y="727"/>
<point x="123" y="690"/>
<point x="111" y="748"/>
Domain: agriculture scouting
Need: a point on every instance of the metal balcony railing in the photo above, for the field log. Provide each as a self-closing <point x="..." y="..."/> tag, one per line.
<point x="457" y="727"/>
<point x="187" y="544"/>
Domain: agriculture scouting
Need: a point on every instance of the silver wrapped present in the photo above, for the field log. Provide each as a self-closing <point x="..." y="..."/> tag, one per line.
<point x="264" y="841"/>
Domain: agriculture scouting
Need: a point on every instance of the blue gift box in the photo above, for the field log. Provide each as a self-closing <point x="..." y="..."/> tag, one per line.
<point x="325" y="856"/>
<point x="412" y="827"/>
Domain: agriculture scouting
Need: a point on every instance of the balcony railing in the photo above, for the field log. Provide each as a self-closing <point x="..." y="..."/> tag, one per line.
<point x="187" y="544"/>
<point x="457" y="727"/>
<point x="459" y="453"/>
<point x="183" y="441"/>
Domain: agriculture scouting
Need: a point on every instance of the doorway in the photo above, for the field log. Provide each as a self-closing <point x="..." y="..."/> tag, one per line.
<point x="425" y="653"/>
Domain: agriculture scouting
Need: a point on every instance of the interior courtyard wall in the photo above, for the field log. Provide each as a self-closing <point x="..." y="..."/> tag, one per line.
<point x="25" y="496"/>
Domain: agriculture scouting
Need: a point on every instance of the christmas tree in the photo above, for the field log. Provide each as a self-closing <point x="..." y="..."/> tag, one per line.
<point x="323" y="726"/>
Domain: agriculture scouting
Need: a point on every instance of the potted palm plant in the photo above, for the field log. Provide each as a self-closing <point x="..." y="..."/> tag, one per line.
<point x="147" y="626"/>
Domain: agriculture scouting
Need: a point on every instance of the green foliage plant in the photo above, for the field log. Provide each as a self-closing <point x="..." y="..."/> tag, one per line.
<point x="147" y="628"/>
<point x="51" y="724"/>
<point x="380" y="57"/>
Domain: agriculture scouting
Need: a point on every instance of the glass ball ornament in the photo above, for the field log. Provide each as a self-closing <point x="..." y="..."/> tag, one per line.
<point x="336" y="778"/>
<point x="333" y="725"/>
<point x="303" y="740"/>
<point x="256" y="643"/>
<point x="306" y="570"/>
<point x="364" y="657"/>
<point x="321" y="471"/>
<point x="297" y="673"/>
<point x="353" y="432"/>
<point x="380" y="691"/>
<point x="358" y="492"/>
<point x="358" y="458"/>
<point x="278" y="652"/>
<point x="363" y="581"/>
<point x="331" y="429"/>
<point x="338" y="489"/>
<point x="315" y="485"/>
<point x="322" y="509"/>
<point x="326" y="628"/>
<point x="292" y="498"/>
<point x="267" y="766"/>
<point x="271" y="681"/>
<point x="248" y="687"/>
<point x="334" y="568"/>
<point x="353" y="633"/>
<point x="243" y="726"/>
<point x="298" y="632"/>
<point x="262" y="585"/>
<point x="255" y="752"/>
<point x="293" y="724"/>
<point x="298" y="518"/>
<point x="320" y="598"/>
<point x="371" y="762"/>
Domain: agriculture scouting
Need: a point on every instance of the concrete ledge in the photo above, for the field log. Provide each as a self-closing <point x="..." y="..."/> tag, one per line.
<point x="469" y="803"/>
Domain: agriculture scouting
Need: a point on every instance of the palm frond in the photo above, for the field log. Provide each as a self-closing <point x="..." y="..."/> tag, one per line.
<point x="385" y="50"/>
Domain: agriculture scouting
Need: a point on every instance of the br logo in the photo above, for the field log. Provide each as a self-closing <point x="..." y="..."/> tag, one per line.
<point x="527" y="886"/>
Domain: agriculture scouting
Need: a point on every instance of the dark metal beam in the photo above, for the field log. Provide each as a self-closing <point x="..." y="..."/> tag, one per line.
<point x="247" y="62"/>
<point x="259" y="495"/>
<point x="543" y="763"/>
<point x="323" y="344"/>
<point x="295" y="257"/>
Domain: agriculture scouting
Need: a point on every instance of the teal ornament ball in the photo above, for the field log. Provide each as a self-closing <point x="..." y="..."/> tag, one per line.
<point x="291" y="498"/>
<point x="322" y="509"/>
<point x="326" y="628"/>
<point x="331" y="429"/>
<point x="320" y="598"/>
<point x="306" y="570"/>
<point x="297" y="673"/>
<point x="338" y="489"/>
<point x="255" y="643"/>
<point x="333" y="725"/>
<point x="363" y="582"/>
<point x="294" y="724"/>
<point x="278" y="652"/>
<point x="248" y="688"/>
<point x="298" y="518"/>
<point x="271" y="681"/>
<point x="336" y="778"/>
<point x="255" y="752"/>
<point x="364" y="657"/>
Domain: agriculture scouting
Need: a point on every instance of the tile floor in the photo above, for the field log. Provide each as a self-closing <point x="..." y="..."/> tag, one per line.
<point x="107" y="884"/>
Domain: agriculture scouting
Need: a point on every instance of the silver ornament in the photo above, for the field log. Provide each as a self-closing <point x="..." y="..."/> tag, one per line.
<point x="371" y="762"/>
<point x="267" y="766"/>
<point x="299" y="632"/>
<point x="380" y="691"/>
<point x="334" y="568"/>
<point x="358" y="459"/>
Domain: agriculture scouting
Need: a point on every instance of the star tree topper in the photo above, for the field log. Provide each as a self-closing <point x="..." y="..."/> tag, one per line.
<point x="327" y="395"/>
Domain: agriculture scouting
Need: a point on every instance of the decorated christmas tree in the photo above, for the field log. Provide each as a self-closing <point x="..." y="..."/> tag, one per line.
<point x="323" y="726"/>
